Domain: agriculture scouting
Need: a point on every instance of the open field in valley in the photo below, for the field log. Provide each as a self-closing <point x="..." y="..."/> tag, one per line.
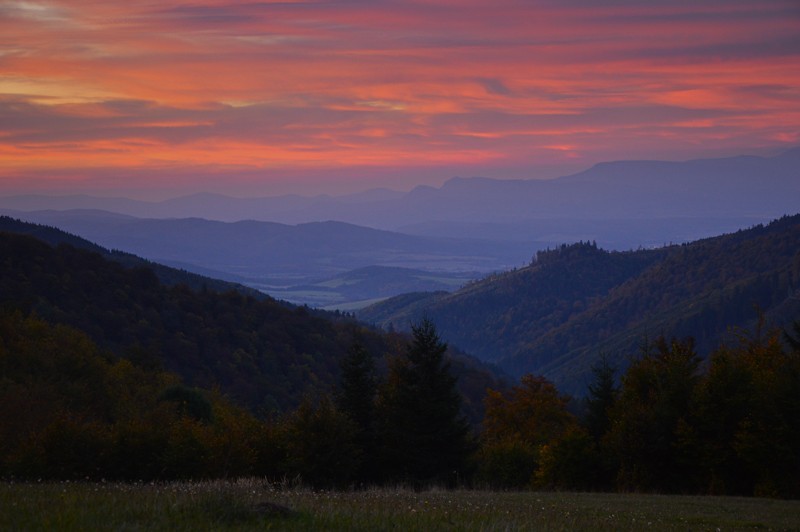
<point x="256" y="505"/>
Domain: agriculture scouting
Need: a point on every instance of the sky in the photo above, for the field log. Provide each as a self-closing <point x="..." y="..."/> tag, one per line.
<point x="156" y="99"/>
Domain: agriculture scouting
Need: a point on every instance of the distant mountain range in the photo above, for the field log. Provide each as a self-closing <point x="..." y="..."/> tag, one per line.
<point x="573" y="304"/>
<point x="621" y="205"/>
<point x="307" y="263"/>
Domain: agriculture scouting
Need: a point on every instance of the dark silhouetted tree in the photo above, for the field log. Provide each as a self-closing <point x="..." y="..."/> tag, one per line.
<point x="190" y="402"/>
<point x="749" y="419"/>
<point x="651" y="421"/>
<point x="356" y="399"/>
<point x="602" y="395"/>
<point x="320" y="443"/>
<point x="358" y="387"/>
<point x="424" y="438"/>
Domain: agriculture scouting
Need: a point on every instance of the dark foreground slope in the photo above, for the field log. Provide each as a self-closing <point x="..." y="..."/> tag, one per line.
<point x="558" y="315"/>
<point x="261" y="353"/>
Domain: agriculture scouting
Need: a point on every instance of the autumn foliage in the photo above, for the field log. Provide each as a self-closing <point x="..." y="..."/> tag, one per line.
<point x="731" y="425"/>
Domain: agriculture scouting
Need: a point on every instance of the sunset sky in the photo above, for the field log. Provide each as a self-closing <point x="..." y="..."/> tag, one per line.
<point x="156" y="99"/>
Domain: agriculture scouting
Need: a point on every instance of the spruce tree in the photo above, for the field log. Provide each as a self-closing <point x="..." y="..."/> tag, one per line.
<point x="602" y="395"/>
<point x="601" y="398"/>
<point x="356" y="399"/>
<point x="358" y="386"/>
<point x="424" y="437"/>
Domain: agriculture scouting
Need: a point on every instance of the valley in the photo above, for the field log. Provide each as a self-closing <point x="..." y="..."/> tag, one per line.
<point x="400" y="265"/>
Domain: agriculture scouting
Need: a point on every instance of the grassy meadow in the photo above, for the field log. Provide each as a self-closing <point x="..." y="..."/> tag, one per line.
<point x="256" y="505"/>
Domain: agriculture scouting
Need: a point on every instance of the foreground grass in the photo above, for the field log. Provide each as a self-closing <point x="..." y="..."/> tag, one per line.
<point x="255" y="505"/>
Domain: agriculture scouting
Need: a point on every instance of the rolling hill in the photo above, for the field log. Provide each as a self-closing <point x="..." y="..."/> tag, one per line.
<point x="261" y="353"/>
<point x="167" y="275"/>
<point x="276" y="257"/>
<point x="559" y="314"/>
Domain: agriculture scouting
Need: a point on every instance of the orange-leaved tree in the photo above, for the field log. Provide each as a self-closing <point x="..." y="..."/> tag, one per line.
<point x="518" y="429"/>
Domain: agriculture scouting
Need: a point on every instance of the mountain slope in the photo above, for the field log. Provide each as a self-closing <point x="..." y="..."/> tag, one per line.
<point x="269" y="255"/>
<point x="168" y="276"/>
<point x="702" y="290"/>
<point x="517" y="305"/>
<point x="559" y="314"/>
<point x="260" y="353"/>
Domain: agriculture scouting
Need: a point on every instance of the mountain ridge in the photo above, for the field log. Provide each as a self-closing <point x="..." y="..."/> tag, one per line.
<point x="168" y="275"/>
<point x="270" y="256"/>
<point x="557" y="315"/>
<point x="261" y="353"/>
<point x="742" y="190"/>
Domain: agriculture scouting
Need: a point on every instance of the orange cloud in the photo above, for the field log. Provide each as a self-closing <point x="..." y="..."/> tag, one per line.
<point x="306" y="88"/>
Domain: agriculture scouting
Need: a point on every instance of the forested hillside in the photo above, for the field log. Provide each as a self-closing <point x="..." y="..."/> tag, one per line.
<point x="167" y="275"/>
<point x="70" y="410"/>
<point x="556" y="316"/>
<point x="261" y="353"/>
<point x="95" y="399"/>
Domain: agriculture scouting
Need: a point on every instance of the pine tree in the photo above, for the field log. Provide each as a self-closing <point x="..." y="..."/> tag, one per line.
<point x="356" y="399"/>
<point x="358" y="386"/>
<point x="424" y="437"/>
<point x="602" y="396"/>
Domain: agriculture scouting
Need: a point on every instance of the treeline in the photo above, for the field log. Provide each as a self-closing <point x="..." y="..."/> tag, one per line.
<point x="69" y="410"/>
<point x="728" y="425"/>
<point x="671" y="423"/>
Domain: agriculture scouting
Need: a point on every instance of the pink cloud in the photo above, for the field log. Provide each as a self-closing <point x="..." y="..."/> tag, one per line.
<point x="314" y="89"/>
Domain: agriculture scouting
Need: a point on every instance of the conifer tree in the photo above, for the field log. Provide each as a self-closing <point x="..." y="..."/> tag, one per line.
<point x="602" y="396"/>
<point x="424" y="437"/>
<point x="356" y="399"/>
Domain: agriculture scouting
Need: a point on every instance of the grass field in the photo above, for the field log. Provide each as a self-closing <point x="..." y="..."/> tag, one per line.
<point x="255" y="505"/>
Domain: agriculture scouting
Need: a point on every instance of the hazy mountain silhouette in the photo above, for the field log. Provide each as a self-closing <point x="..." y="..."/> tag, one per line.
<point x="270" y="255"/>
<point x="682" y="201"/>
